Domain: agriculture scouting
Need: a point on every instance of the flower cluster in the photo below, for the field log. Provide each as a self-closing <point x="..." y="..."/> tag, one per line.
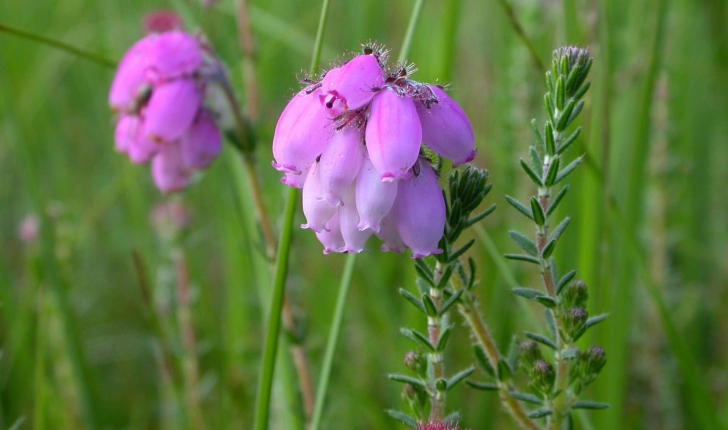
<point x="353" y="141"/>
<point x="159" y="92"/>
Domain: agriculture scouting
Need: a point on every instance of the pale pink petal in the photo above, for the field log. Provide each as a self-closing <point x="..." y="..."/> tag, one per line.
<point x="331" y="237"/>
<point x="390" y="236"/>
<point x="129" y="77"/>
<point x="131" y="141"/>
<point x="340" y="163"/>
<point x="374" y="198"/>
<point x="302" y="133"/>
<point x="175" y="54"/>
<point x="354" y="238"/>
<point x="202" y="142"/>
<point x="294" y="179"/>
<point x="168" y="169"/>
<point x="419" y="212"/>
<point x="171" y="110"/>
<point x="317" y="211"/>
<point x="355" y="82"/>
<point x="446" y="129"/>
<point x="393" y="135"/>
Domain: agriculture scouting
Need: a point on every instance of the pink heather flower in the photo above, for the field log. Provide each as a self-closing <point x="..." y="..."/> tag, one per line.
<point x="353" y="84"/>
<point x="340" y="163"/>
<point x="29" y="229"/>
<point x="446" y="129"/>
<point x="393" y="135"/>
<point x="317" y="210"/>
<point x="419" y="212"/>
<point x="352" y="141"/>
<point x="302" y="133"/>
<point x="159" y="92"/>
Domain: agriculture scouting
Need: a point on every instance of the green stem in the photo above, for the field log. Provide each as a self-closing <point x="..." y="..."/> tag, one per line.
<point x="270" y="350"/>
<point x="508" y="9"/>
<point x="323" y="382"/>
<point x="407" y="43"/>
<point x="262" y="410"/>
<point x="96" y="58"/>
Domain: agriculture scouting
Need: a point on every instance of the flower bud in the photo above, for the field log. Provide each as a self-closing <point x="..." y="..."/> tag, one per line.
<point x="416" y="362"/>
<point x="530" y="353"/>
<point x="594" y="360"/>
<point x="437" y="425"/>
<point x="575" y="295"/>
<point x="574" y="322"/>
<point x="544" y="376"/>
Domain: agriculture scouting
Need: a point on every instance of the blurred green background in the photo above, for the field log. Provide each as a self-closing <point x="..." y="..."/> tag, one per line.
<point x="78" y="343"/>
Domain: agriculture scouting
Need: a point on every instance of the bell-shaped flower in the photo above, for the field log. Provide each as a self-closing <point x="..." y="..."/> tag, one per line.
<point x="202" y="142"/>
<point x="171" y="110"/>
<point x="129" y="76"/>
<point x="131" y="141"/>
<point x="354" y="83"/>
<point x="446" y="129"/>
<point x="374" y="198"/>
<point x="317" y="211"/>
<point x="393" y="135"/>
<point x="354" y="238"/>
<point x="172" y="55"/>
<point x="331" y="237"/>
<point x="419" y="212"/>
<point x="294" y="179"/>
<point x="340" y="162"/>
<point x="302" y="133"/>
<point x="390" y="236"/>
<point x="168" y="169"/>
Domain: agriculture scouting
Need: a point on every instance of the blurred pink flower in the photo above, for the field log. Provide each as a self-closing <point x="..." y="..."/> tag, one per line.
<point x="159" y="94"/>
<point x="353" y="141"/>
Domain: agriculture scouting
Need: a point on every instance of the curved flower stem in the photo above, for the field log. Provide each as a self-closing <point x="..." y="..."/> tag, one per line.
<point x="248" y="62"/>
<point x="262" y="409"/>
<point x="438" y="399"/>
<point x="407" y="43"/>
<point x="334" y="330"/>
<point x="78" y="52"/>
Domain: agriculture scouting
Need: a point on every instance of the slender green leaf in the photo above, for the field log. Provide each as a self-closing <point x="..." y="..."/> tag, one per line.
<point x="556" y="200"/>
<point x="417" y="338"/>
<point x="430" y="307"/>
<point x="404" y="418"/>
<point x="521" y="257"/>
<point x="415" y="382"/>
<point x="482" y="386"/>
<point x="568" y="141"/>
<point x="536" y="162"/>
<point x="541" y="339"/>
<point x="528" y="293"/>
<point x="525" y="397"/>
<point x="455" y="379"/>
<point x="524" y="243"/>
<point x="595" y="320"/>
<point x="565" y="280"/>
<point x="520" y="207"/>
<point x="535" y="177"/>
<point x="587" y="404"/>
<point x="451" y="301"/>
<point x="540" y="413"/>
<point x="553" y="171"/>
<point x="412" y="299"/>
<point x="483" y="360"/>
<point x="442" y="342"/>
<point x="539" y="136"/>
<point x="538" y="214"/>
<point x="567" y="170"/>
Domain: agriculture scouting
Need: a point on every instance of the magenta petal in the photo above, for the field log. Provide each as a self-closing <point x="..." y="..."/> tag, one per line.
<point x="202" y="142"/>
<point x="302" y="132"/>
<point x="340" y="163"/>
<point x="295" y="180"/>
<point x="331" y="237"/>
<point x="131" y="141"/>
<point x="171" y="110"/>
<point x="168" y="169"/>
<point x="393" y="135"/>
<point x="355" y="82"/>
<point x="354" y="238"/>
<point x="419" y="212"/>
<point x="390" y="236"/>
<point x="317" y="211"/>
<point x="130" y="75"/>
<point x="446" y="129"/>
<point x="175" y="54"/>
<point x="374" y="198"/>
